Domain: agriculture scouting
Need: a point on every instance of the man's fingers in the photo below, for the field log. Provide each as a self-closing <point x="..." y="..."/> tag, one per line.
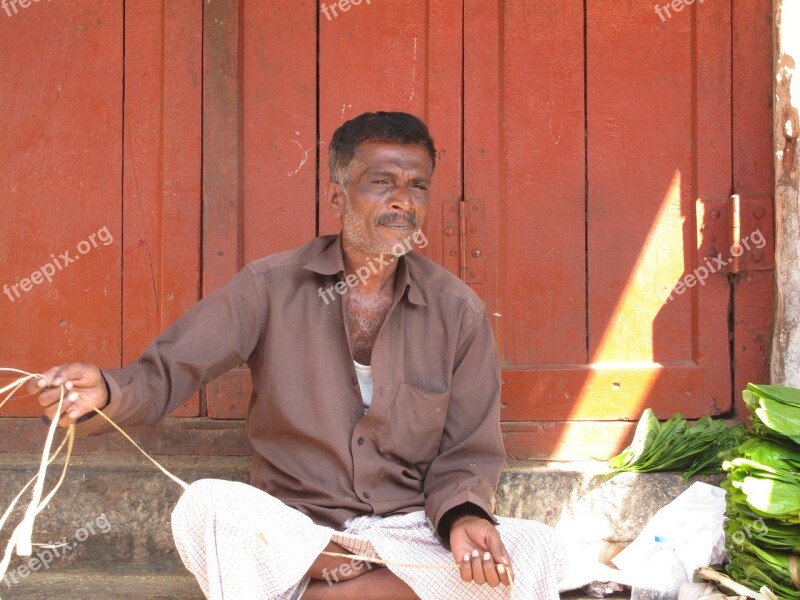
<point x="64" y="375"/>
<point x="466" y="567"/>
<point x="500" y="556"/>
<point x="72" y="409"/>
<point x="496" y="547"/>
<point x="477" y="567"/>
<point x="505" y="574"/>
<point x="490" y="570"/>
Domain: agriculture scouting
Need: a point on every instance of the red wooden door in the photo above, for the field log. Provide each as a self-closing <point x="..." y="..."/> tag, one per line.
<point x="616" y="161"/>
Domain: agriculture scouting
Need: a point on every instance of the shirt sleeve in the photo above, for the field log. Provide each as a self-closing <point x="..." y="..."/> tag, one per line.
<point x="471" y="456"/>
<point x="215" y="335"/>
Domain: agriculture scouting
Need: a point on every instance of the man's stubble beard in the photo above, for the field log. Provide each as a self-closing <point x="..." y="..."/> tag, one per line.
<point x="353" y="229"/>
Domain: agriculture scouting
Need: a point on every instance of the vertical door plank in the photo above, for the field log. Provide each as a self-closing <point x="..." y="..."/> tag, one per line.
<point x="641" y="176"/>
<point x="540" y="154"/>
<point x="222" y="193"/>
<point x="162" y="178"/>
<point x="753" y="174"/>
<point x="484" y="98"/>
<point x="60" y="184"/>
<point x="278" y="95"/>
<point x="712" y="140"/>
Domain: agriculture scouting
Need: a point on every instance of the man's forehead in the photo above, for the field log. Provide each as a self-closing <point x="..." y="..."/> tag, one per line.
<point x="377" y="155"/>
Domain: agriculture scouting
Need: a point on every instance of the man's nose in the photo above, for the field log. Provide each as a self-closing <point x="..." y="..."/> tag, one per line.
<point x="402" y="198"/>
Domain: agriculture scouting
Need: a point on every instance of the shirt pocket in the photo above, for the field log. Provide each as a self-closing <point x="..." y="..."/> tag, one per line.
<point x="416" y="424"/>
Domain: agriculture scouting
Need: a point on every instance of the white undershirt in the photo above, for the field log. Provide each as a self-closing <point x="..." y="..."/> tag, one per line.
<point x="364" y="374"/>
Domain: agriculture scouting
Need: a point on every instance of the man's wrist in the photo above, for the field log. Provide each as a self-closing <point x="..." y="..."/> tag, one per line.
<point x="92" y="413"/>
<point x="456" y="514"/>
<point x="462" y="518"/>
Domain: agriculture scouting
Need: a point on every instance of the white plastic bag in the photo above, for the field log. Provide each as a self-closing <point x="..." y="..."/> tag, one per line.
<point x="693" y="524"/>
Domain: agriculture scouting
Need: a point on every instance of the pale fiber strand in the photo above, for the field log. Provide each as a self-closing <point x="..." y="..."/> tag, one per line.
<point x="68" y="438"/>
<point x="24" y="547"/>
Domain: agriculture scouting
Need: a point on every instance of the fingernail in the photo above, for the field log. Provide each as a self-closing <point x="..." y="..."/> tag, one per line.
<point x="475" y="553"/>
<point x="505" y="560"/>
<point x="501" y="569"/>
<point x="466" y="557"/>
<point x="41" y="383"/>
<point x="487" y="556"/>
<point x="68" y="385"/>
<point x="56" y="381"/>
<point x="73" y="414"/>
<point x="73" y="397"/>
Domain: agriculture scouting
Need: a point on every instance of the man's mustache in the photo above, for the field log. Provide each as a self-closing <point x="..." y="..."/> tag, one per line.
<point x="393" y="218"/>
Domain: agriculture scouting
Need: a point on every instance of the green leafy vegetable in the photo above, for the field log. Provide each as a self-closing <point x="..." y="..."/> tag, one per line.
<point x="763" y="485"/>
<point x="676" y="445"/>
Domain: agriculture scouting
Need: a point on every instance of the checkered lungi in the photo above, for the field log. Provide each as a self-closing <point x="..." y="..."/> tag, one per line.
<point x="242" y="543"/>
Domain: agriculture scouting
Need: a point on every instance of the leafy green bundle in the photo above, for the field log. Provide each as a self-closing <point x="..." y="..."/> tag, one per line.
<point x="763" y="501"/>
<point x="776" y="409"/>
<point x="676" y="445"/>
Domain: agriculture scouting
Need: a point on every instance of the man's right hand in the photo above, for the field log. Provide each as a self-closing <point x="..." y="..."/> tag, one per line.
<point x="82" y="383"/>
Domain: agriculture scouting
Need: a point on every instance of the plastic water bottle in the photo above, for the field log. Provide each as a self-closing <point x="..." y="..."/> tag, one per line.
<point x="663" y="575"/>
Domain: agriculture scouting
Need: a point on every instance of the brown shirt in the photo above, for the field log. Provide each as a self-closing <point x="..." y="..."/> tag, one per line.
<point x="431" y="437"/>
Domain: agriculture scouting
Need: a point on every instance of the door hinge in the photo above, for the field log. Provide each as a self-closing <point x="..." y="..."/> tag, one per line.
<point x="463" y="240"/>
<point x="752" y="233"/>
<point x="737" y="232"/>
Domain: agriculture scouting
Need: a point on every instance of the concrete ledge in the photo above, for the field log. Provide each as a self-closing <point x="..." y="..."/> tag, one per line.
<point x="120" y="505"/>
<point x="79" y="586"/>
<point x="132" y="501"/>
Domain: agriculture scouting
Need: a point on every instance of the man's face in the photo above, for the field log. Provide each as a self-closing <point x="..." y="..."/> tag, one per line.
<point x="386" y="199"/>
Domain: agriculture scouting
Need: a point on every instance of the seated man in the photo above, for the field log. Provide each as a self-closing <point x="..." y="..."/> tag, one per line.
<point x="375" y="409"/>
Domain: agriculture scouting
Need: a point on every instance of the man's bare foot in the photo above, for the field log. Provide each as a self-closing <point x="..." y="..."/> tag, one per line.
<point x="379" y="584"/>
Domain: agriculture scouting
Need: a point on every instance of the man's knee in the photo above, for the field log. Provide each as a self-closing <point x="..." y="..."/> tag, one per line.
<point x="199" y="504"/>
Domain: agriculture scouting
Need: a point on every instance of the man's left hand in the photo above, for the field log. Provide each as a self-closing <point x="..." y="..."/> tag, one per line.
<point x="480" y="552"/>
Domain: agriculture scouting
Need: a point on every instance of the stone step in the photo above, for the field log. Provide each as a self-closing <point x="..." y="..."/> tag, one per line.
<point x="113" y="511"/>
<point x="100" y="586"/>
<point x="76" y="585"/>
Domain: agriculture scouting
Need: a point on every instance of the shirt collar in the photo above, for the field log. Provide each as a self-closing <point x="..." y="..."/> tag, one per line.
<point x="331" y="262"/>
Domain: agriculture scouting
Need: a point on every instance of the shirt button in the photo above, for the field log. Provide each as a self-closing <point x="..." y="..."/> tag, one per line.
<point x="366" y="495"/>
<point x="361" y="441"/>
<point x="355" y="380"/>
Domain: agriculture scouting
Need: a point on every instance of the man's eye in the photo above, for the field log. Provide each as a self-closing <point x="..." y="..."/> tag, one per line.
<point x="421" y="186"/>
<point x="380" y="182"/>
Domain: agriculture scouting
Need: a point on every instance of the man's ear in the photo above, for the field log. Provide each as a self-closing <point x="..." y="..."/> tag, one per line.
<point x="334" y="195"/>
